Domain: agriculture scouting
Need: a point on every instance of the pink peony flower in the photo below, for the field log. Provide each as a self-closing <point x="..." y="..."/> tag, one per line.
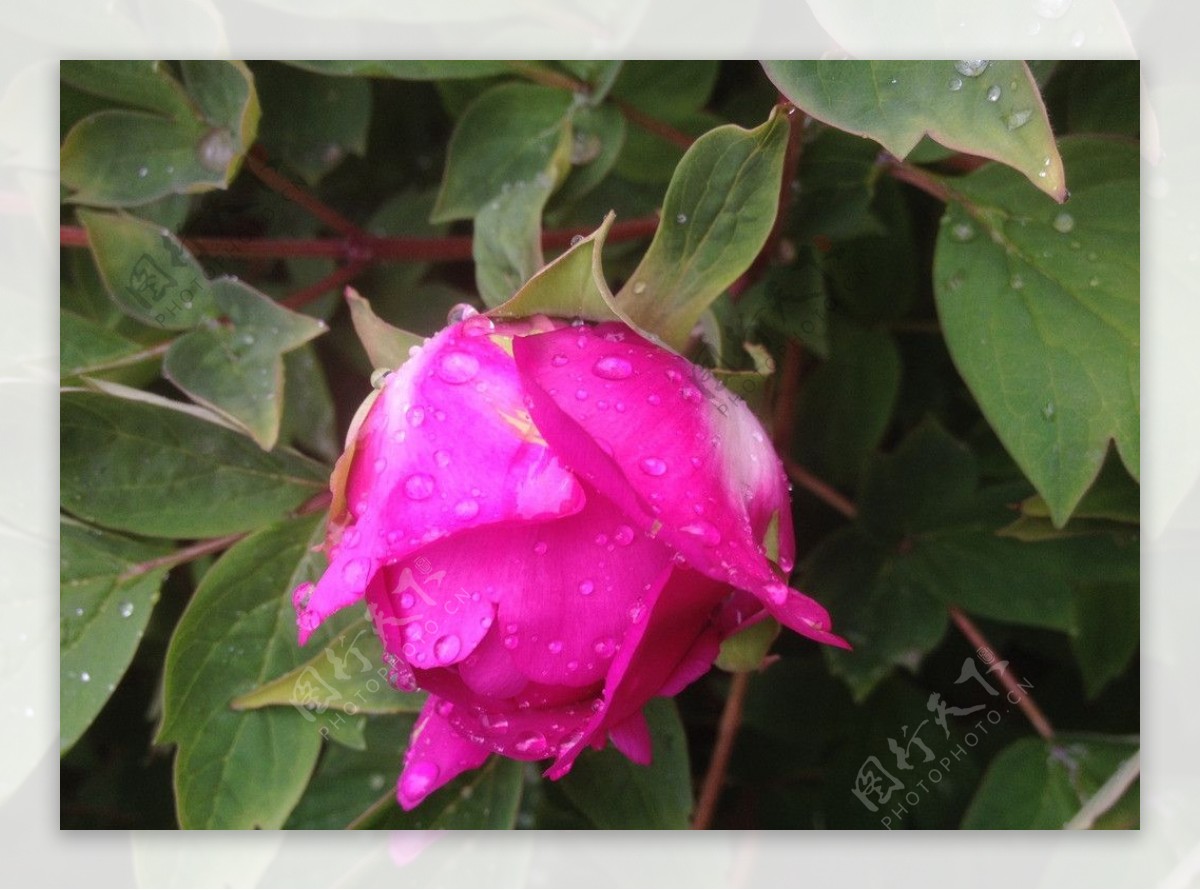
<point x="551" y="524"/>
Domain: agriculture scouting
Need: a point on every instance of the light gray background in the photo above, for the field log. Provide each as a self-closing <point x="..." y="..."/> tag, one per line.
<point x="35" y="35"/>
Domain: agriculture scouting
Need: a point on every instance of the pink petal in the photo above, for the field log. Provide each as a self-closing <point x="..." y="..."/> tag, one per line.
<point x="650" y="656"/>
<point x="632" y="738"/>
<point x="436" y="754"/>
<point x="490" y="672"/>
<point x="448" y="445"/>
<point x="667" y="443"/>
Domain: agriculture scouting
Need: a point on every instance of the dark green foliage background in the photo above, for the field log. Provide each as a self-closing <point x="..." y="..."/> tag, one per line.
<point x="894" y="299"/>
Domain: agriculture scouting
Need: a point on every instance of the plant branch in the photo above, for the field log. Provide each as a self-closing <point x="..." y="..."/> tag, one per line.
<point x="653" y="125"/>
<point x="1016" y="693"/>
<point x="727" y="729"/>
<point x="335" y="280"/>
<point x="277" y="182"/>
<point x="921" y="179"/>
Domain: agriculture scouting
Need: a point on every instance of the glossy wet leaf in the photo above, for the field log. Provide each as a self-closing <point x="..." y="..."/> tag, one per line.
<point x="149" y="470"/>
<point x="148" y="271"/>
<point x="104" y="609"/>
<point x="235" y="367"/>
<point x="1037" y="784"/>
<point x="717" y="213"/>
<point x="991" y="109"/>
<point x="1040" y="309"/>
<point x="613" y="792"/>
<point x="309" y="419"/>
<point x="85" y="346"/>
<point x="511" y="134"/>
<point x="241" y="769"/>
<point x="182" y="138"/>
<point x="348" y="674"/>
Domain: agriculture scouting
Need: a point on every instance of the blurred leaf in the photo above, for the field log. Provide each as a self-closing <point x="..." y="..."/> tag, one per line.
<point x="745" y="650"/>
<point x="248" y="769"/>
<point x="405" y="213"/>
<point x="311" y="121"/>
<point x="1042" y="784"/>
<point x="597" y="136"/>
<point x="1113" y="496"/>
<point x="666" y="88"/>
<point x="835" y="186"/>
<point x="718" y="211"/>
<point x="348" y="675"/>
<point x="599" y="74"/>
<point x="407" y="69"/>
<point x="791" y="301"/>
<point x="236" y="367"/>
<point x="507" y="246"/>
<point x="182" y="142"/>
<point x="486" y="798"/>
<point x="513" y="133"/>
<point x="649" y="157"/>
<point x="847" y="402"/>
<point x="386" y="346"/>
<point x="992" y="109"/>
<point x="308" y="413"/>
<point x="148" y="271"/>
<point x="85" y="346"/>
<point x="1104" y="96"/>
<point x="144" y="469"/>
<point x="614" y="792"/>
<point x="104" y="609"/>
<point x="347" y="782"/>
<point x="1105" y="628"/>
<point x="1043" y="302"/>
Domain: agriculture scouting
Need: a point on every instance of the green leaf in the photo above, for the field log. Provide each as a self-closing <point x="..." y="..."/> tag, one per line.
<point x="180" y="143"/>
<point x="309" y="420"/>
<point x="791" y="301"/>
<point x="348" y="782"/>
<point x="597" y="136"/>
<point x="507" y="246"/>
<point x="386" y="346"/>
<point x="599" y="74"/>
<point x="1040" y="310"/>
<point x="666" y="88"/>
<point x="148" y="272"/>
<point x="1105" y="628"/>
<point x="836" y="185"/>
<point x="1113" y="496"/>
<point x="348" y="675"/>
<point x="991" y="109"/>
<point x="718" y="211"/>
<point x="486" y="798"/>
<point x="236" y="367"/>
<point x="85" y="347"/>
<point x="614" y="792"/>
<point x="513" y="133"/>
<point x="847" y="402"/>
<point x="151" y="471"/>
<point x="1037" y="784"/>
<point x="311" y="121"/>
<point x="105" y="607"/>
<point x="745" y="650"/>
<point x="408" y="70"/>
<point x="572" y="286"/>
<point x="248" y="769"/>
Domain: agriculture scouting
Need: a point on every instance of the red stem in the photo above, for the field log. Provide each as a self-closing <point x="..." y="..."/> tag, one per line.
<point x="272" y="179"/>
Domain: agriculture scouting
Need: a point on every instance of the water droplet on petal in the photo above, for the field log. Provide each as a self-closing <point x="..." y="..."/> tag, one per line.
<point x="419" y="486"/>
<point x="539" y="548"/>
<point x="777" y="593"/>
<point x="653" y="466"/>
<point x="416" y="416"/>
<point x="355" y="572"/>
<point x="419" y="779"/>
<point x="637" y="611"/>
<point x="654" y="399"/>
<point x="460" y="312"/>
<point x="495" y="724"/>
<point x="445" y="708"/>
<point x="478" y="326"/>
<point x="623" y="535"/>
<point x="586" y="588"/>
<point x="1064" y="223"/>
<point x="971" y="67"/>
<point x="532" y="744"/>
<point x="457" y="367"/>
<point x="380" y="465"/>
<point x="445" y="649"/>
<point x="993" y="93"/>
<point x="704" y="531"/>
<point x="581" y="394"/>
<point x="639" y="287"/>
<point x="612" y="367"/>
<point x="441" y="458"/>
<point x="466" y="509"/>
<point x="605" y="647"/>
<point x="559" y="360"/>
<point x="555" y="647"/>
<point x="510" y="641"/>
